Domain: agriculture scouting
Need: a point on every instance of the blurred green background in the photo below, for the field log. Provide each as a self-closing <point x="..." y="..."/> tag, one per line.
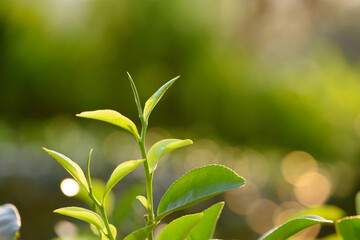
<point x="269" y="88"/>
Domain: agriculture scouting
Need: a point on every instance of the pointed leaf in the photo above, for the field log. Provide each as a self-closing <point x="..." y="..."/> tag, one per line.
<point x="143" y="201"/>
<point x="88" y="178"/>
<point x="293" y="226"/>
<point x="141" y="234"/>
<point x="83" y="214"/>
<point x="348" y="228"/>
<point x="112" y="117"/>
<point x="196" y="186"/>
<point x="206" y="226"/>
<point x="70" y="166"/>
<point x="10" y="222"/>
<point x="120" y="171"/>
<point x="162" y="147"/>
<point x="154" y="99"/>
<point x="180" y="228"/>
<point x="136" y="94"/>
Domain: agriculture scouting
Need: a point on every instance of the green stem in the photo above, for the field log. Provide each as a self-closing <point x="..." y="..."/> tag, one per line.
<point x="148" y="176"/>
<point x="103" y="214"/>
<point x="141" y="142"/>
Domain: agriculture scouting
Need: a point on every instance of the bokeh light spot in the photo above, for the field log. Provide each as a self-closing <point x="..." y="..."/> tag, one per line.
<point x="312" y="188"/>
<point x="69" y="187"/>
<point x="260" y="214"/>
<point x="65" y="229"/>
<point x="296" y="164"/>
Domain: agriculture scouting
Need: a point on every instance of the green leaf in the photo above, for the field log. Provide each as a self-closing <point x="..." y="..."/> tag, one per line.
<point x="329" y="212"/>
<point x="88" y="178"/>
<point x="141" y="234"/>
<point x="206" y="226"/>
<point x="143" y="201"/>
<point x="113" y="232"/>
<point x="196" y="186"/>
<point x="136" y="94"/>
<point x="348" y="228"/>
<point x="70" y="166"/>
<point x="293" y="226"/>
<point x="10" y="222"/>
<point x="112" y="117"/>
<point x="120" y="171"/>
<point x="330" y="237"/>
<point x="83" y="214"/>
<point x="154" y="99"/>
<point x="357" y="203"/>
<point x="159" y="149"/>
<point x="180" y="228"/>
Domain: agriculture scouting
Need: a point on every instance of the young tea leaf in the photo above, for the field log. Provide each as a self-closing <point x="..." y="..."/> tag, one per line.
<point x="120" y="171"/>
<point x="348" y="228"/>
<point x="206" y="226"/>
<point x="143" y="201"/>
<point x="141" y="234"/>
<point x="154" y="99"/>
<point x="293" y="226"/>
<point x="83" y="214"/>
<point x="136" y="94"/>
<point x="196" y="186"/>
<point x="70" y="166"/>
<point x="162" y="147"/>
<point x="10" y="222"/>
<point x="88" y="178"/>
<point x="112" y="117"/>
<point x="180" y="228"/>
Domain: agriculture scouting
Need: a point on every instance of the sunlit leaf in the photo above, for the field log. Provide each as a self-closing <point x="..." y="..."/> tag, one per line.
<point x="348" y="228"/>
<point x="331" y="237"/>
<point x="143" y="201"/>
<point x="141" y="234"/>
<point x="10" y="222"/>
<point x="120" y="171"/>
<point x="70" y="166"/>
<point x="112" y="117"/>
<point x="83" y="214"/>
<point x="136" y="94"/>
<point x="180" y="228"/>
<point x="154" y="99"/>
<point x="205" y="228"/>
<point x="329" y="212"/>
<point x="293" y="226"/>
<point x="196" y="186"/>
<point x="88" y="177"/>
<point x="162" y="147"/>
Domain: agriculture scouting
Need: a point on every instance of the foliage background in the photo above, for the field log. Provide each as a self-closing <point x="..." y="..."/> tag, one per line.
<point x="260" y="80"/>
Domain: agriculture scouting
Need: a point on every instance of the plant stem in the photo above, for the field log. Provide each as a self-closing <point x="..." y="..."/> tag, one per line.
<point x="101" y="208"/>
<point x="141" y="142"/>
<point x="148" y="175"/>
